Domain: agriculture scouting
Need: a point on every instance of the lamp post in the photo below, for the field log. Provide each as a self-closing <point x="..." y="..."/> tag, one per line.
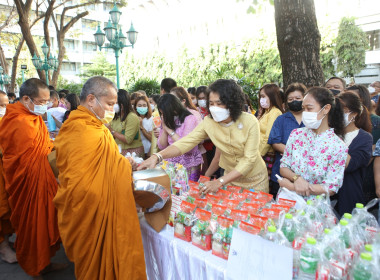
<point x="114" y="34"/>
<point x="4" y="78"/>
<point x="47" y="64"/>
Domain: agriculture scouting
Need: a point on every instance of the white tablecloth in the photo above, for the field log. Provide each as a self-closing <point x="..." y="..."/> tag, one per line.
<point x="167" y="257"/>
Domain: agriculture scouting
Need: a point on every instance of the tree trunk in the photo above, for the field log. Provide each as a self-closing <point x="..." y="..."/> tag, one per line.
<point x="298" y="41"/>
<point x="15" y="64"/>
<point x="61" y="54"/>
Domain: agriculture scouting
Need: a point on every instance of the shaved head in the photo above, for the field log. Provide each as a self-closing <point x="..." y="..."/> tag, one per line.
<point x="97" y="86"/>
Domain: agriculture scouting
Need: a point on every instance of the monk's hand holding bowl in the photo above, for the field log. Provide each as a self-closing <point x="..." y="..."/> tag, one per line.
<point x="133" y="163"/>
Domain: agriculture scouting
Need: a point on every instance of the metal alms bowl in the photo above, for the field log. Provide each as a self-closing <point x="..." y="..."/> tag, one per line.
<point x="150" y="195"/>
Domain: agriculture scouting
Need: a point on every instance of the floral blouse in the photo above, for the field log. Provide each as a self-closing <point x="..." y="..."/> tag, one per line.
<point x="319" y="159"/>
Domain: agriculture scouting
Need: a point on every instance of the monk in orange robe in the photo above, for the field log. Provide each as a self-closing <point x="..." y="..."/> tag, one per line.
<point x="29" y="179"/>
<point x="97" y="215"/>
<point x="6" y="253"/>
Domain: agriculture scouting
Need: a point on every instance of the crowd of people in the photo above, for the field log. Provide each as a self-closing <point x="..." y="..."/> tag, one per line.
<point x="316" y="140"/>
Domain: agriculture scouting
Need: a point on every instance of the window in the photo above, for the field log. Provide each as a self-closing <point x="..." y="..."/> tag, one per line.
<point x="69" y="66"/>
<point x="89" y="46"/>
<point x="107" y="7"/>
<point x="374" y="40"/>
<point x="89" y="25"/>
<point x="69" y="45"/>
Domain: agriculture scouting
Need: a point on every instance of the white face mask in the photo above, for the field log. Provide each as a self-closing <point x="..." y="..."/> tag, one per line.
<point x="2" y="111"/>
<point x="346" y="120"/>
<point x="194" y="101"/>
<point x="152" y="107"/>
<point x="108" y="115"/>
<point x="219" y="114"/>
<point x="264" y="103"/>
<point x="50" y="104"/>
<point x="371" y="89"/>
<point x="310" y="119"/>
<point x="39" y="110"/>
<point x="202" y="103"/>
<point x="116" y="108"/>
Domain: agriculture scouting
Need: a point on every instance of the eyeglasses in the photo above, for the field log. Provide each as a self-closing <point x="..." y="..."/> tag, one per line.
<point x="37" y="102"/>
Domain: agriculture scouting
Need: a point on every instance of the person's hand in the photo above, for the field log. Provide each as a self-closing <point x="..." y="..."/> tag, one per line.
<point x="149" y="163"/>
<point x="285" y="183"/>
<point x="156" y="132"/>
<point x="210" y="187"/>
<point x="165" y="128"/>
<point x="133" y="163"/>
<point x="302" y="187"/>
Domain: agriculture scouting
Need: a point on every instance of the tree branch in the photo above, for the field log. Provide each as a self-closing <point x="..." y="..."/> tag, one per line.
<point x="73" y="21"/>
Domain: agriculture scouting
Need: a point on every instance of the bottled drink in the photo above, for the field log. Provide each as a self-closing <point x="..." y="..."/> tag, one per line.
<point x="276" y="236"/>
<point x="289" y="227"/>
<point x="271" y="234"/>
<point x="344" y="232"/>
<point x="363" y="269"/>
<point x="308" y="260"/>
<point x="347" y="216"/>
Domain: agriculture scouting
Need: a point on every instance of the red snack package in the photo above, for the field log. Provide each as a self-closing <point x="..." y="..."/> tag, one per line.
<point x="184" y="221"/>
<point x="239" y="196"/>
<point x="265" y="196"/>
<point x="252" y="208"/>
<point x="271" y="213"/>
<point x="249" y="228"/>
<point x="234" y="189"/>
<point x="193" y="184"/>
<point x="201" y="203"/>
<point x="258" y="221"/>
<point x="223" y="193"/>
<point x="203" y="179"/>
<point x="212" y="198"/>
<point x="218" y="210"/>
<point x="287" y="202"/>
<point x="231" y="203"/>
<point x="193" y="192"/>
<point x="250" y="195"/>
<point x="200" y="232"/>
<point x="259" y="202"/>
<point x="222" y="238"/>
<point x="285" y="208"/>
<point x="238" y="216"/>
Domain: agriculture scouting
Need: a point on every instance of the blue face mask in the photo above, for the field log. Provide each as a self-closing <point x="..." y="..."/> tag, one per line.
<point x="142" y="110"/>
<point x="39" y="110"/>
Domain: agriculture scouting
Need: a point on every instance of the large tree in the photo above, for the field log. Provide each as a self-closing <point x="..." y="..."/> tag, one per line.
<point x="298" y="41"/>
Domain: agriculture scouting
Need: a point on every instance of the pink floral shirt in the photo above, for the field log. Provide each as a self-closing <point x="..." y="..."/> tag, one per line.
<point x="319" y="159"/>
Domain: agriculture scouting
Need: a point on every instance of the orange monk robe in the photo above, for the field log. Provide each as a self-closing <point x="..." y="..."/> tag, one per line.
<point x="31" y="186"/>
<point x="97" y="215"/>
<point x="5" y="210"/>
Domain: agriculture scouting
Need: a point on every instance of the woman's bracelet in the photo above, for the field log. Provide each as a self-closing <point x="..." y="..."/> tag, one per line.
<point x="159" y="156"/>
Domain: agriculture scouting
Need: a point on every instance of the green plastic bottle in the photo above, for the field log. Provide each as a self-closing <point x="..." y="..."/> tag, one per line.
<point x="363" y="269"/>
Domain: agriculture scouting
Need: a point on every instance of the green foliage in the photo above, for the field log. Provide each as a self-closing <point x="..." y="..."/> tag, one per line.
<point x="148" y="85"/>
<point x="327" y="51"/>
<point x="256" y="59"/>
<point x="251" y="89"/>
<point x="70" y="86"/>
<point x="99" y="67"/>
<point x="351" y="45"/>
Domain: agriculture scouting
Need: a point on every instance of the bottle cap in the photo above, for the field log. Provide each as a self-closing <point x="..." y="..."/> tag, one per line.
<point x="348" y="216"/>
<point x="343" y="222"/>
<point x="311" y="240"/>
<point x="272" y="229"/>
<point x="368" y="247"/>
<point x="309" y="202"/>
<point x="327" y="230"/>
<point x="366" y="256"/>
<point x="359" y="205"/>
<point x="302" y="213"/>
<point x="288" y="216"/>
<point x="318" y="197"/>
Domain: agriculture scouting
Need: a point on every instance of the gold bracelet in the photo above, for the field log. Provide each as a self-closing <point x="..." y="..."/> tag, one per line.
<point x="160" y="158"/>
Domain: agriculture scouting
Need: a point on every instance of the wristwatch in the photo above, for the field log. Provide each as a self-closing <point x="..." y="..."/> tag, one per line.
<point x="295" y="177"/>
<point x="221" y="181"/>
<point x="171" y="134"/>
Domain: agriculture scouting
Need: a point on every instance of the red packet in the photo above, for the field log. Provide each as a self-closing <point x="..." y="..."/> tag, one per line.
<point x="258" y="221"/>
<point x="250" y="195"/>
<point x="212" y="198"/>
<point x="271" y="213"/>
<point x="193" y="184"/>
<point x="234" y="189"/>
<point x="239" y="196"/>
<point x="259" y="202"/>
<point x="239" y="215"/>
<point x="231" y="203"/>
<point x="249" y="228"/>
<point x="285" y="208"/>
<point x="287" y="202"/>
<point x="223" y="194"/>
<point x="253" y="209"/>
<point x="157" y="121"/>
<point x="203" y="179"/>
<point x="201" y="203"/>
<point x="193" y="192"/>
<point x="218" y="210"/>
<point x="265" y="196"/>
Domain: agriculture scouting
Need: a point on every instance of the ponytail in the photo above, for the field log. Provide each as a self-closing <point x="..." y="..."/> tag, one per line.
<point x="336" y="118"/>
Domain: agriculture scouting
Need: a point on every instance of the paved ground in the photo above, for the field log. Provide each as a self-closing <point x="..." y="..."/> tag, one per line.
<point x="15" y="272"/>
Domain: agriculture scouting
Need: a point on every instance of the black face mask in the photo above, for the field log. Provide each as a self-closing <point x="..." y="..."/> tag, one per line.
<point x="335" y="91"/>
<point x="295" y="106"/>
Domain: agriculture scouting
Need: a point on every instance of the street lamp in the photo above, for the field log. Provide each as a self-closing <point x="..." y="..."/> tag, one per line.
<point x="114" y="34"/>
<point x="49" y="63"/>
<point x="4" y="78"/>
